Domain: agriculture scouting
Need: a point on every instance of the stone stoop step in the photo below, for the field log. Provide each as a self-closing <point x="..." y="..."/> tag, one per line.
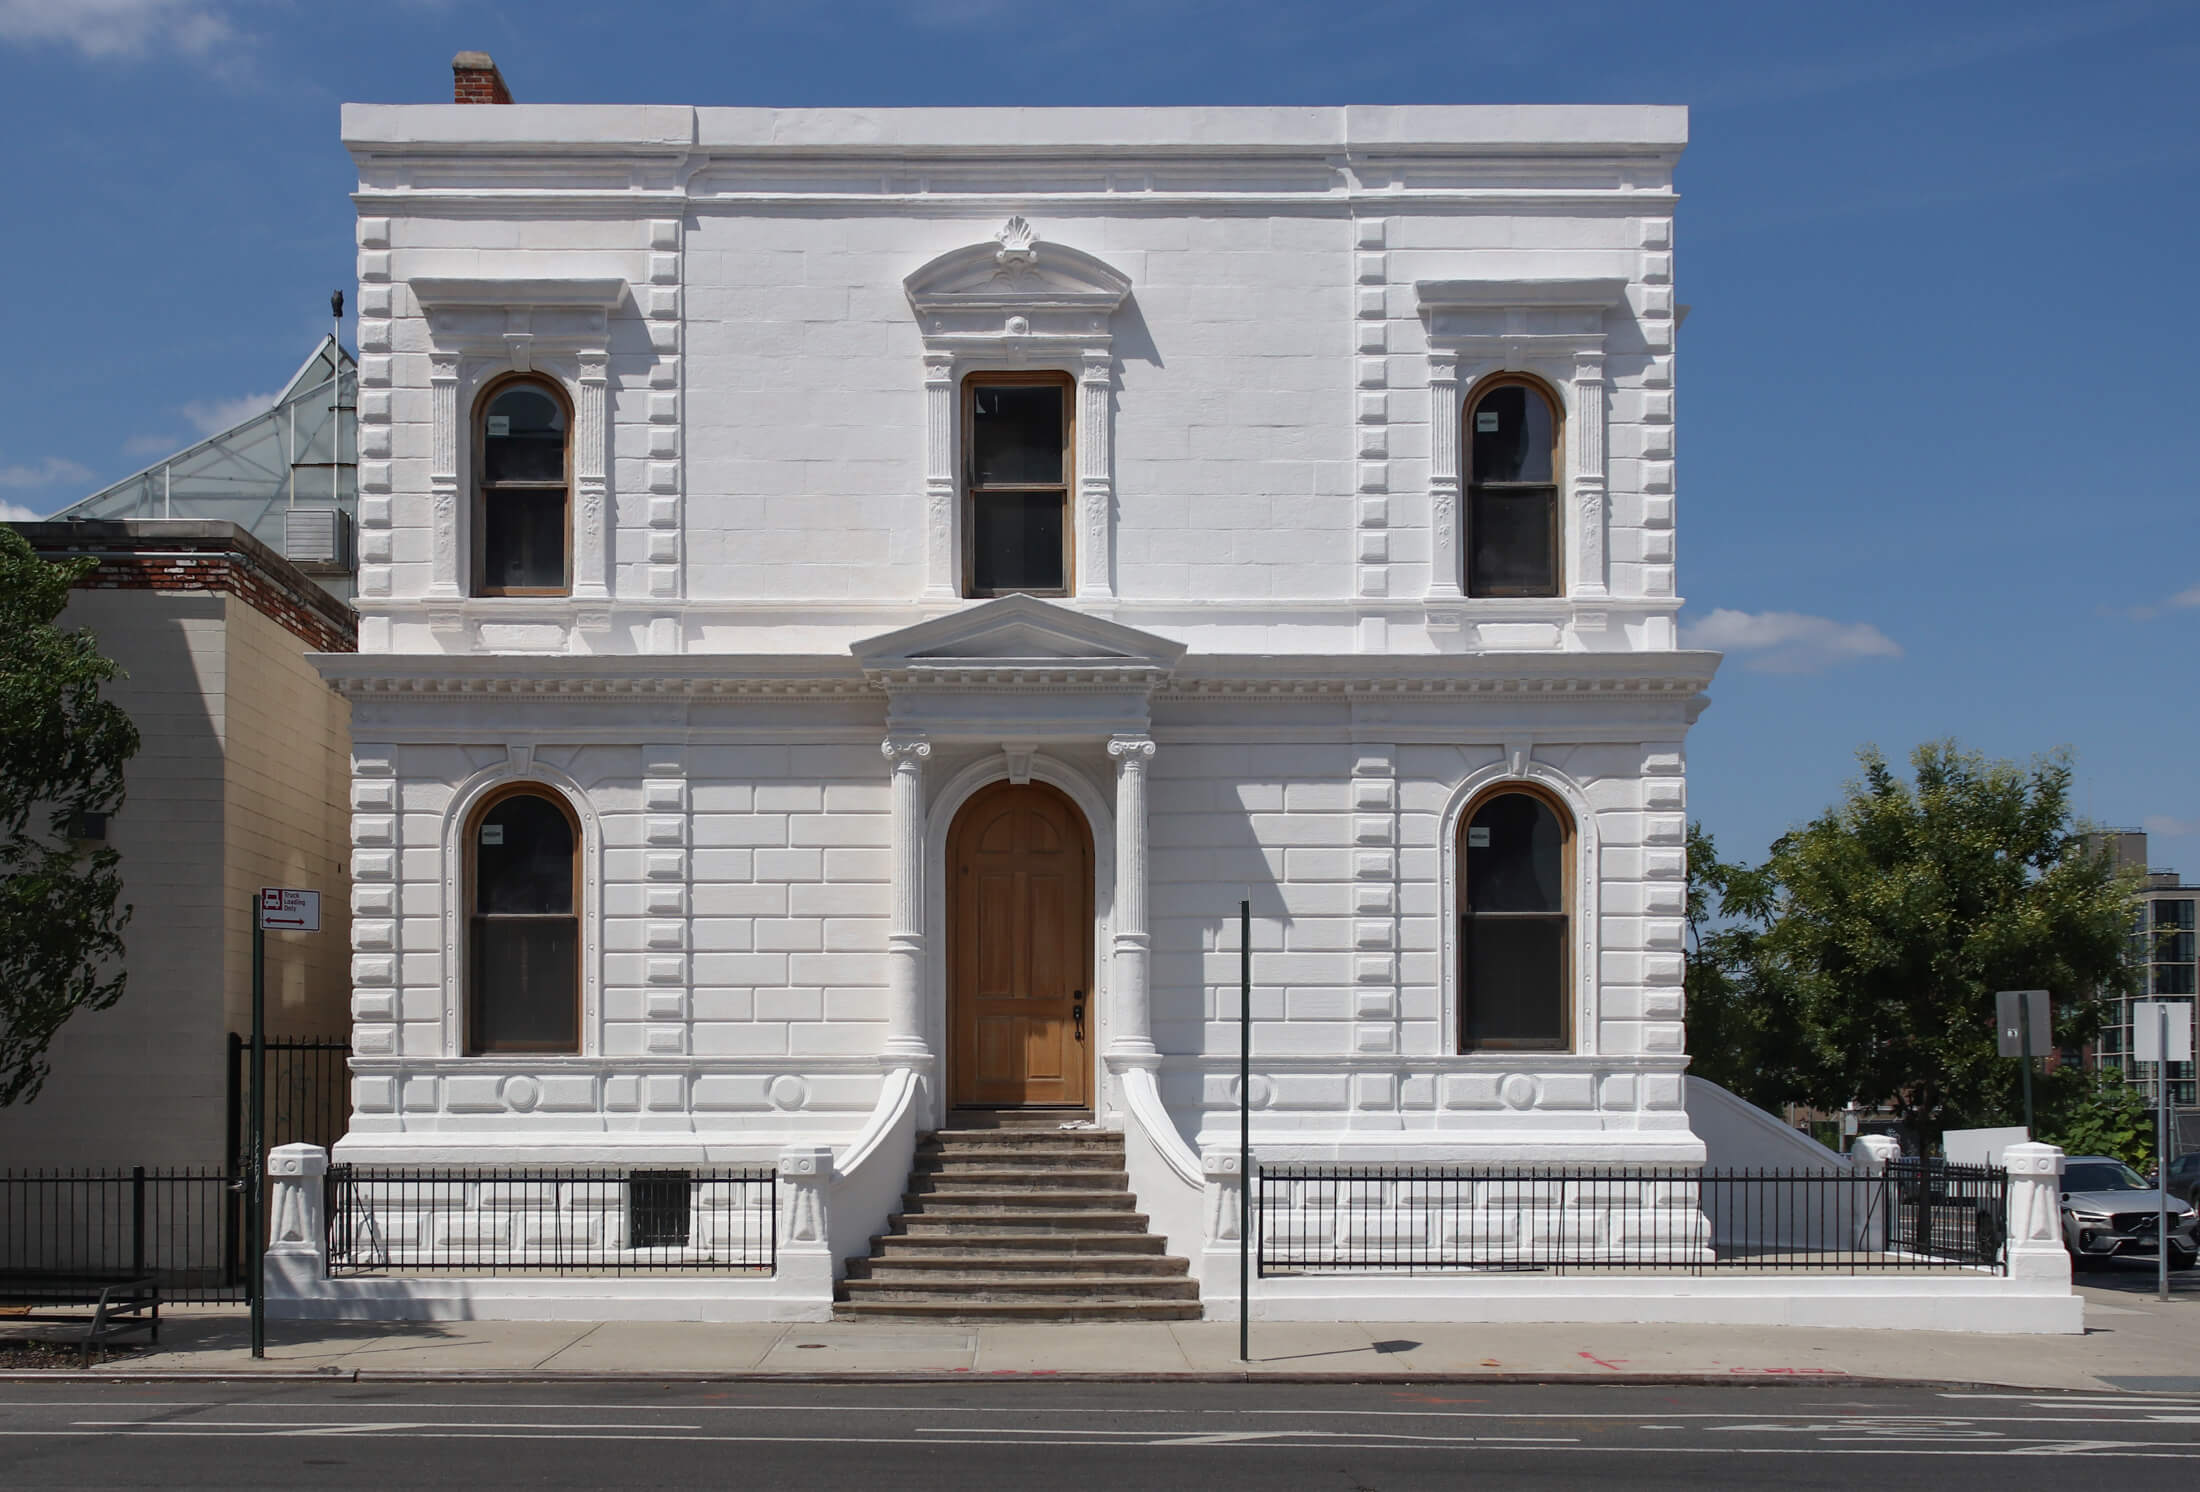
<point x="1019" y="1224"/>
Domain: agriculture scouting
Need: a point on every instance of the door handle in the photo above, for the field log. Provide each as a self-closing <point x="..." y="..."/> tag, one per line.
<point x="1077" y="1013"/>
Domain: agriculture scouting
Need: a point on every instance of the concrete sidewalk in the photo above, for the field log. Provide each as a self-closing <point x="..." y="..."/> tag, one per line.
<point x="2131" y="1342"/>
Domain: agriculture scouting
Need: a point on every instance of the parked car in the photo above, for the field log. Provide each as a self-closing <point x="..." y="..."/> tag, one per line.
<point x="2184" y="1176"/>
<point x="2109" y="1211"/>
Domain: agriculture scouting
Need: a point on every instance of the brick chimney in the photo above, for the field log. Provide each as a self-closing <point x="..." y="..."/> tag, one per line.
<point x="475" y="80"/>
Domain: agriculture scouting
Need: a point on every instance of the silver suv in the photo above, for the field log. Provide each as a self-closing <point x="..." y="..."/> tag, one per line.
<point x="2109" y="1211"/>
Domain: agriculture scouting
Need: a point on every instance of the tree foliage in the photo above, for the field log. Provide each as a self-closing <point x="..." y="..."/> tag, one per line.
<point x="1868" y="947"/>
<point x="62" y="750"/>
<point x="2098" y="1113"/>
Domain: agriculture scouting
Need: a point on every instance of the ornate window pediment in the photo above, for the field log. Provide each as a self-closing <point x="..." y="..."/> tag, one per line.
<point x="1018" y="631"/>
<point x="1555" y="330"/>
<point x="1016" y="303"/>
<point x="481" y="330"/>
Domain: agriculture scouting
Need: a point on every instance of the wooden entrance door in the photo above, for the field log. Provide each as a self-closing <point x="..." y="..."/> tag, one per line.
<point x="1019" y="954"/>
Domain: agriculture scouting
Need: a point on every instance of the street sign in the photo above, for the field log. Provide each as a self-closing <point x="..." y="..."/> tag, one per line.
<point x="2009" y="1031"/>
<point x="284" y="910"/>
<point x="2146" y="1030"/>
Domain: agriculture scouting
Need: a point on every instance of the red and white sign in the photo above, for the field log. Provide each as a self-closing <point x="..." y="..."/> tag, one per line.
<point x="283" y="910"/>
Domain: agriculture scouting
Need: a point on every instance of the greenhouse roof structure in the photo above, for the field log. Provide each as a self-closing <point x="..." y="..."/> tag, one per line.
<point x="288" y="475"/>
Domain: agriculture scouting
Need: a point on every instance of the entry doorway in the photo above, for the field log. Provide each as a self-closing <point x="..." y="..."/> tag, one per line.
<point x="1019" y="950"/>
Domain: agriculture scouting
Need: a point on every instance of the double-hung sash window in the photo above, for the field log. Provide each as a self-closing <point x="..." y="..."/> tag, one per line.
<point x="1515" y="976"/>
<point x="1512" y="528"/>
<point x="523" y="486"/>
<point x="523" y="925"/>
<point x="1016" y="481"/>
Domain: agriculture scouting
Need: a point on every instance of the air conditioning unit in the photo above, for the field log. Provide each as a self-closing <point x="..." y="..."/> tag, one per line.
<point x="318" y="540"/>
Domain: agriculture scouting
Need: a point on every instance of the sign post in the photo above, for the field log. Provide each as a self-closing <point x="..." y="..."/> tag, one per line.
<point x="1245" y="1131"/>
<point x="2161" y="1033"/>
<point x="285" y="911"/>
<point x="2022" y="1016"/>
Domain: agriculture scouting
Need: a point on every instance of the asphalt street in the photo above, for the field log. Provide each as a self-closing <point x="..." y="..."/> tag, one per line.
<point x="1216" y="1438"/>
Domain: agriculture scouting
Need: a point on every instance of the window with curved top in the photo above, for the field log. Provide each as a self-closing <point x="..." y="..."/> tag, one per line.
<point x="523" y="464"/>
<point x="1516" y="849"/>
<point x="1512" y="527"/>
<point x="523" y="985"/>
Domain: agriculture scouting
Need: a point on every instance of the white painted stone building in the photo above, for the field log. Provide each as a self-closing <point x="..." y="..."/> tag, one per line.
<point x="850" y="601"/>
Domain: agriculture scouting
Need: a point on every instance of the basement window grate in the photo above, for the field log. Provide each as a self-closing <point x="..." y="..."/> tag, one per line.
<point x="657" y="1209"/>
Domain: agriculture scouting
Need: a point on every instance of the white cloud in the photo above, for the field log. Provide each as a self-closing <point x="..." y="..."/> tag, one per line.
<point x="213" y="416"/>
<point x="1788" y="641"/>
<point x="2162" y="826"/>
<point x="51" y="472"/>
<point x="17" y="513"/>
<point x="104" y="29"/>
<point x="2189" y="596"/>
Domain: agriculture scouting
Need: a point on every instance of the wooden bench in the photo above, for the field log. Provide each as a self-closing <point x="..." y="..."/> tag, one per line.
<point x="118" y="1305"/>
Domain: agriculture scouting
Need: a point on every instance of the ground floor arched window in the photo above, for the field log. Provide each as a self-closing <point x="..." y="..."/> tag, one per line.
<point x="1516" y="975"/>
<point x="523" y="987"/>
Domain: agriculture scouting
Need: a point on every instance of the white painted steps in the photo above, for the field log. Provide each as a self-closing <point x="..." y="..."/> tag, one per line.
<point x="1019" y="1223"/>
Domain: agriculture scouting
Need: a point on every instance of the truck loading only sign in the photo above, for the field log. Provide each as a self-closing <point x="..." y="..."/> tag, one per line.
<point x="283" y="910"/>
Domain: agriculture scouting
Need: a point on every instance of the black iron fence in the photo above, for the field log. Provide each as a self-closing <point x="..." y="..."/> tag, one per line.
<point x="1410" y="1219"/>
<point x="584" y="1220"/>
<point x="308" y="1091"/>
<point x="181" y="1228"/>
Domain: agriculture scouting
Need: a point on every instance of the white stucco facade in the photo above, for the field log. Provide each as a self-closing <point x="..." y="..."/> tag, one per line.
<point x="767" y="693"/>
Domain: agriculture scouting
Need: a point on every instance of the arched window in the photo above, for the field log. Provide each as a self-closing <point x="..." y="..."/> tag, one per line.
<point x="523" y="986"/>
<point x="523" y="530"/>
<point x="1512" y="526"/>
<point x="1516" y="979"/>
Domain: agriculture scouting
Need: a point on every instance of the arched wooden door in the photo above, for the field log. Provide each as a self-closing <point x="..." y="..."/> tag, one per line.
<point x="1019" y="951"/>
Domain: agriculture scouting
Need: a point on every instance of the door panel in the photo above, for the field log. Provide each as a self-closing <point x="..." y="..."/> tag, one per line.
<point x="1019" y="954"/>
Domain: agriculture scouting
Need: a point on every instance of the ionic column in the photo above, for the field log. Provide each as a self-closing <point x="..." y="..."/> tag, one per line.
<point x="1589" y="480"/>
<point x="905" y="932"/>
<point x="1444" y="566"/>
<point x="1132" y="1025"/>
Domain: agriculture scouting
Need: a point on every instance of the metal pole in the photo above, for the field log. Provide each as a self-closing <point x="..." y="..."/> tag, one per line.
<point x="255" y="1152"/>
<point x="2024" y="1029"/>
<point x="2161" y="1152"/>
<point x="1245" y="1131"/>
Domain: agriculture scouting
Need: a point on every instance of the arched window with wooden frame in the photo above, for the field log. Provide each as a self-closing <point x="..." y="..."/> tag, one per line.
<point x="1513" y="430"/>
<point x="523" y="926"/>
<point x="1516" y="875"/>
<point x="523" y="489"/>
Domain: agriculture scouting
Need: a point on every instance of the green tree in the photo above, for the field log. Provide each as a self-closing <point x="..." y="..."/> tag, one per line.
<point x="62" y="749"/>
<point x="1742" y="1028"/>
<point x="1892" y="919"/>
<point x="2098" y="1113"/>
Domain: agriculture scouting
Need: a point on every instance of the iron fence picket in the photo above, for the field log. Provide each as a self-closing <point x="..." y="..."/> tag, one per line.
<point x="168" y="1224"/>
<point x="570" y="1220"/>
<point x="1403" y="1218"/>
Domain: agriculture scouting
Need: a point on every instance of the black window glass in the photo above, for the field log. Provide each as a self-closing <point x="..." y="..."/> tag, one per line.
<point x="2173" y="914"/>
<point x="523" y="859"/>
<point x="1515" y="981"/>
<point x="1511" y="538"/>
<point x="2173" y="979"/>
<point x="526" y="984"/>
<point x="1016" y="435"/>
<point x="1511" y="432"/>
<point x="2099" y="1176"/>
<point x="1017" y="542"/>
<point x="1515" y="854"/>
<point x="523" y="543"/>
<point x="523" y="437"/>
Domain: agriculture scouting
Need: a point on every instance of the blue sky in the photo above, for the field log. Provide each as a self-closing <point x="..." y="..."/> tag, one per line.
<point x="1938" y="439"/>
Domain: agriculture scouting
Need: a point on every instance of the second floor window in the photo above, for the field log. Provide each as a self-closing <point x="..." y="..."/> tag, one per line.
<point x="1512" y="526"/>
<point x="1016" y="483"/>
<point x="522" y="491"/>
